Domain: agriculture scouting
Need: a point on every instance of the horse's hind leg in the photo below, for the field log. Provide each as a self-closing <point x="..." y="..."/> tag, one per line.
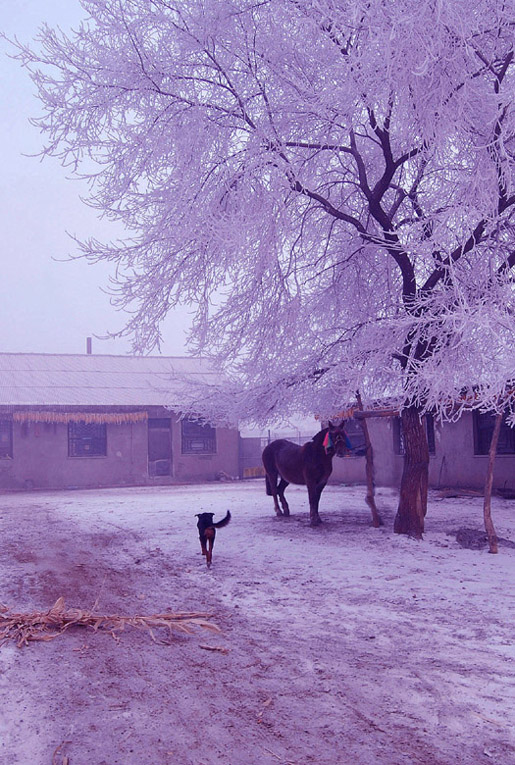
<point x="280" y="490"/>
<point x="271" y="485"/>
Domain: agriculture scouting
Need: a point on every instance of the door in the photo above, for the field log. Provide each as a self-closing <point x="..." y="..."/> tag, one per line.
<point x="159" y="446"/>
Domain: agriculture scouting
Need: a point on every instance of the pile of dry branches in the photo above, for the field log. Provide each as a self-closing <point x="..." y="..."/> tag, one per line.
<point x="47" y="625"/>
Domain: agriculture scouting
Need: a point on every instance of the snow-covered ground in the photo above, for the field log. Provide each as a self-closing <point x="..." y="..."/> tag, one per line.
<point x="342" y="644"/>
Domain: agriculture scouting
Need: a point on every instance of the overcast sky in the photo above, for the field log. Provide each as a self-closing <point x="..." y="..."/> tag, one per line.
<point x="48" y="306"/>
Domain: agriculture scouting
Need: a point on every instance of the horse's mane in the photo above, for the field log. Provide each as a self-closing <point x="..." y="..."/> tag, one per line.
<point x="318" y="438"/>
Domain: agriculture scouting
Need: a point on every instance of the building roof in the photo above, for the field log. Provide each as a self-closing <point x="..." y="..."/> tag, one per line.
<point x="41" y="379"/>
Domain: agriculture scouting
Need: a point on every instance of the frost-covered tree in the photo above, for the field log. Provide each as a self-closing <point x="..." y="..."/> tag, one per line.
<point x="330" y="182"/>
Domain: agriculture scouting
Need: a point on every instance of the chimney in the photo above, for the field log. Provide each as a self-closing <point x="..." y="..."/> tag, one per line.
<point x="89" y="350"/>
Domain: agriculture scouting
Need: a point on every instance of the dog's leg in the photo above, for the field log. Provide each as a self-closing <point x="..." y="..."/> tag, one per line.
<point x="210" y="541"/>
<point x="203" y="543"/>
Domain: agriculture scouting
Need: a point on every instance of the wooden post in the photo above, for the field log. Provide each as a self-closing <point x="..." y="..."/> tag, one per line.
<point x="369" y="468"/>
<point x="489" y="526"/>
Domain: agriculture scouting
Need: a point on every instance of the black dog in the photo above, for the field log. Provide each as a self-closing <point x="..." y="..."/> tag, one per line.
<point x="207" y="532"/>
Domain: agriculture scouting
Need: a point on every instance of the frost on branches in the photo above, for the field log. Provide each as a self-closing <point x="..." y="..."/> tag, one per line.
<point x="329" y="182"/>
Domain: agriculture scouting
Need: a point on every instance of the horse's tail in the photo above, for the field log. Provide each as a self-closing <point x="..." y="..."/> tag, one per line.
<point x="224" y="521"/>
<point x="268" y="487"/>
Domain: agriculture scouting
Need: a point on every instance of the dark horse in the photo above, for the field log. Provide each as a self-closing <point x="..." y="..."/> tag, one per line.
<point x="308" y="465"/>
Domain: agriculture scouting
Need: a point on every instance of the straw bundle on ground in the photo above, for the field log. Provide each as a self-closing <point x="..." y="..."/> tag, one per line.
<point x="47" y="625"/>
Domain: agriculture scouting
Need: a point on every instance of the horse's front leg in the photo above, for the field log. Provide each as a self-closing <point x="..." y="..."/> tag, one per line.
<point x="314" y="498"/>
<point x="314" y="493"/>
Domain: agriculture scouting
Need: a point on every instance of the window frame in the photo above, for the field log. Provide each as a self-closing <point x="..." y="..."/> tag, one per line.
<point x="356" y="435"/>
<point x="6" y="426"/>
<point x="75" y="439"/>
<point x="482" y="433"/>
<point x="208" y="437"/>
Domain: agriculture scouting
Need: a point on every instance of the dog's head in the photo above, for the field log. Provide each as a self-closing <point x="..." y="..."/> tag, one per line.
<point x="205" y="518"/>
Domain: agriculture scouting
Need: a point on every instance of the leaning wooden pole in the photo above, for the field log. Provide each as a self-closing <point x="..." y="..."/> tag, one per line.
<point x="487" y="507"/>
<point x="369" y="468"/>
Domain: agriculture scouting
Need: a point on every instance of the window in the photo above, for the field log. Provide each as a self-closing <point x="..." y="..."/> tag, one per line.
<point x="483" y="431"/>
<point x="398" y="438"/>
<point x="87" y="439"/>
<point x="354" y="432"/>
<point x="6" y="439"/>
<point x="197" y="438"/>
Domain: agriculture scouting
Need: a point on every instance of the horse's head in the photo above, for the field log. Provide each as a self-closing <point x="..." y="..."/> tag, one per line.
<point x="336" y="442"/>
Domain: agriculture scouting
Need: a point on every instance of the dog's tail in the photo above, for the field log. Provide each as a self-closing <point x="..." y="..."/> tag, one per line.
<point x="224" y="521"/>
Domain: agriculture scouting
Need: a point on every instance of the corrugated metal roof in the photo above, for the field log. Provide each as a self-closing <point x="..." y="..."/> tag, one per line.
<point x="40" y="379"/>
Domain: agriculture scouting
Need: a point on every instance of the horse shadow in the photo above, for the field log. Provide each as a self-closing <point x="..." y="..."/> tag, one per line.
<point x="343" y="522"/>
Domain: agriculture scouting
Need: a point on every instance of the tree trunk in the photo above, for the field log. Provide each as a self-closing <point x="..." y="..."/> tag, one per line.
<point x="369" y="468"/>
<point x="413" y="493"/>
<point x="489" y="526"/>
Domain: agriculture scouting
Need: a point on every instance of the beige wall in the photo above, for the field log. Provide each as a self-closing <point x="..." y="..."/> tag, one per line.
<point x="206" y="467"/>
<point x="453" y="465"/>
<point x="40" y="459"/>
<point x="455" y="459"/>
